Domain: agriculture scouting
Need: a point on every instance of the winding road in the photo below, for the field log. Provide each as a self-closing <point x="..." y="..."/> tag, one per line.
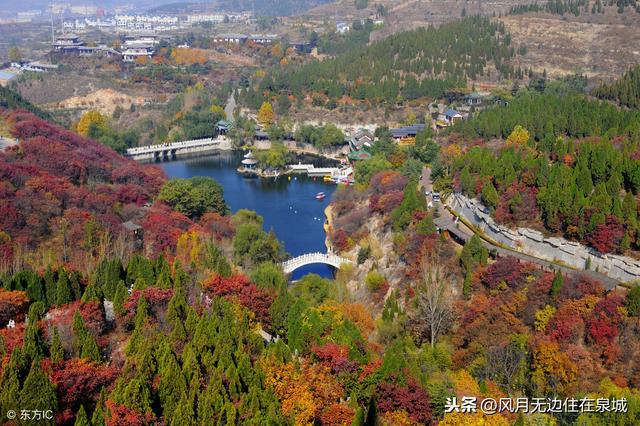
<point x="445" y="220"/>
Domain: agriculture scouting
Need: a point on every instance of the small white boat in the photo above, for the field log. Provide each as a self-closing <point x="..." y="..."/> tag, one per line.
<point x="320" y="196"/>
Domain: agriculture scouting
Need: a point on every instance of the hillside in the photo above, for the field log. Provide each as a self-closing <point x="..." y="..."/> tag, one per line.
<point x="173" y="322"/>
<point x="592" y="44"/>
<point x="405" y="66"/>
<point x="625" y="91"/>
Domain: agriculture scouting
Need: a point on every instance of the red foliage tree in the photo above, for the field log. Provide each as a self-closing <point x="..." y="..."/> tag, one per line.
<point x="606" y="237"/>
<point x="13" y="337"/>
<point x="517" y="204"/>
<point x="341" y="240"/>
<point x="335" y="356"/>
<point x="385" y="203"/>
<point x="78" y="382"/>
<point x="50" y="174"/>
<point x="337" y="415"/>
<point x="505" y="269"/>
<point x="605" y="320"/>
<point x="410" y="398"/>
<point x="218" y="226"/>
<point x="387" y="181"/>
<point x="237" y="288"/>
<point x="13" y="305"/>
<point x="162" y="228"/>
<point x="119" y="415"/>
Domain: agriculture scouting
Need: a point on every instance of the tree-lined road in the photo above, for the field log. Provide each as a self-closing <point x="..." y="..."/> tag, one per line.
<point x="447" y="221"/>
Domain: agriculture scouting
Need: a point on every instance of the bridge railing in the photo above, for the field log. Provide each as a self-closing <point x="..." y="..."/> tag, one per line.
<point x="313" y="258"/>
<point x="161" y="147"/>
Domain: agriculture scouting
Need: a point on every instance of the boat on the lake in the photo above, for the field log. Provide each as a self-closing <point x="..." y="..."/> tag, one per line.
<point x="320" y="196"/>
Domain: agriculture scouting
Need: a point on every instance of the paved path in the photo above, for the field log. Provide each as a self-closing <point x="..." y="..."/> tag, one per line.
<point x="230" y="107"/>
<point x="445" y="220"/>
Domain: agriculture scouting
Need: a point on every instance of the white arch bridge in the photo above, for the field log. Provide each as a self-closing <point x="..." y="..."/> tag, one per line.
<point x="311" y="258"/>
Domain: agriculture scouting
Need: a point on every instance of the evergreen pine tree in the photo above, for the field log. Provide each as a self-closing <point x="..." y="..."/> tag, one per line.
<point x="79" y="332"/>
<point x="90" y="348"/>
<point x="172" y="385"/>
<point x="38" y="393"/>
<point x="184" y="414"/>
<point x="81" y="418"/>
<point x="51" y="287"/>
<point x="119" y="298"/>
<point x="63" y="290"/>
<point x="556" y="284"/>
<point x="56" y="350"/>
<point x="33" y="346"/>
<point x="10" y="387"/>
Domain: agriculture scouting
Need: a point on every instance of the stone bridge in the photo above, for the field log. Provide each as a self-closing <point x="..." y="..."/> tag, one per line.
<point x="170" y="151"/>
<point x="311" y="258"/>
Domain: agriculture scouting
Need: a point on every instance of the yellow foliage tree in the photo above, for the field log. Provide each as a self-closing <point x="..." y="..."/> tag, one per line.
<point x="266" y="116"/>
<point x="217" y="109"/>
<point x="187" y="56"/>
<point x="303" y="392"/>
<point x="543" y="316"/>
<point x="276" y="51"/>
<point x="553" y="370"/>
<point x="89" y="118"/>
<point x="519" y="136"/>
<point x="465" y="384"/>
<point x="189" y="249"/>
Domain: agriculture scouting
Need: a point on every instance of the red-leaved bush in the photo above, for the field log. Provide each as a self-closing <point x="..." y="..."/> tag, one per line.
<point x="238" y="289"/>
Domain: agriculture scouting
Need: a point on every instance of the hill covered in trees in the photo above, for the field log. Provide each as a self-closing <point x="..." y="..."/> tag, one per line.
<point x="624" y="91"/>
<point x="570" y="163"/>
<point x="409" y="65"/>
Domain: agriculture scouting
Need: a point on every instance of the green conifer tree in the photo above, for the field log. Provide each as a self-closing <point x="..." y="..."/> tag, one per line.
<point x="81" y="417"/>
<point x="63" y="291"/>
<point x="56" y="350"/>
<point x="38" y="393"/>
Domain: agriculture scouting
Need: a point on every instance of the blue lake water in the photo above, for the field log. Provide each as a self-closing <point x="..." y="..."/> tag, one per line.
<point x="288" y="206"/>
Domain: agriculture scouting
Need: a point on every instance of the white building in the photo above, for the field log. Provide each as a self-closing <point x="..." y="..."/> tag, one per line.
<point x="33" y="66"/>
<point x="67" y="42"/>
<point x="215" y="18"/>
<point x="263" y="38"/>
<point x="84" y="10"/>
<point x="342" y="27"/>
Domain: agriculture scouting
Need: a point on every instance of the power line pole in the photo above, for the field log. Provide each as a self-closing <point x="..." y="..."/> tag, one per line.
<point x="53" y="39"/>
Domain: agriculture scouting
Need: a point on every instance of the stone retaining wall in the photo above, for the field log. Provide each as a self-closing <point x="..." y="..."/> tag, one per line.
<point x="536" y="244"/>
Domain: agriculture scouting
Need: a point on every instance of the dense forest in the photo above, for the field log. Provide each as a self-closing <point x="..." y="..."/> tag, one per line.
<point x="624" y="91"/>
<point x="569" y="162"/>
<point x="186" y="317"/>
<point x="405" y="66"/>
<point x="575" y="7"/>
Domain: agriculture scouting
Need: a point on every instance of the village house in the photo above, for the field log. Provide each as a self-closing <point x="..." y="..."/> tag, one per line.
<point x="263" y="38"/>
<point x="102" y="50"/>
<point x="230" y="38"/>
<point x="67" y="43"/>
<point x="473" y="99"/>
<point x="401" y="134"/>
<point x="361" y="139"/>
<point x="132" y="52"/>
<point x="448" y="118"/>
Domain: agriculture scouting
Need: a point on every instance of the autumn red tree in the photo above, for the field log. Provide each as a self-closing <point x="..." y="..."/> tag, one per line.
<point x="411" y="398"/>
<point x="237" y="288"/>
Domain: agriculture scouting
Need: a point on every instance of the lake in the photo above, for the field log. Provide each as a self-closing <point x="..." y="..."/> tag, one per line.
<point x="288" y="206"/>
